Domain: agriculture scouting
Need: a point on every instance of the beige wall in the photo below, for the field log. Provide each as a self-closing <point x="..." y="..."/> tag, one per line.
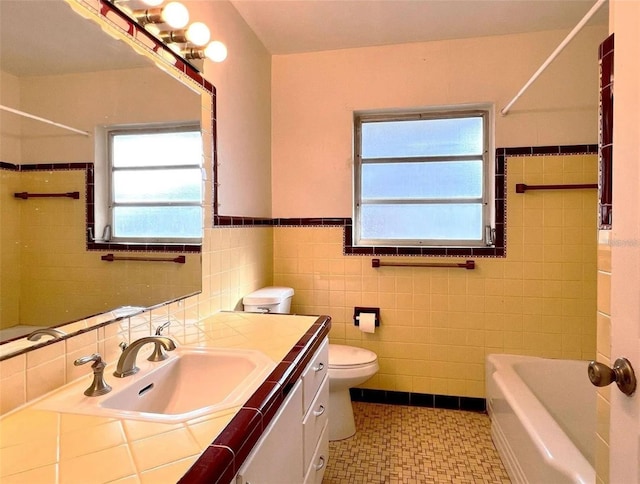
<point x="315" y="94"/>
<point x="88" y="100"/>
<point x="10" y="148"/>
<point x="243" y="84"/>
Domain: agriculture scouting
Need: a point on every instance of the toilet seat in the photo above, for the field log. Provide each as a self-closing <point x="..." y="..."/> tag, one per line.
<point x="346" y="357"/>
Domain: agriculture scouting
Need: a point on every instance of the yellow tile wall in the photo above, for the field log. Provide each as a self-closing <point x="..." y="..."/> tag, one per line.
<point x="57" y="279"/>
<point x="10" y="257"/>
<point x="236" y="261"/>
<point x="603" y="355"/>
<point x="439" y="324"/>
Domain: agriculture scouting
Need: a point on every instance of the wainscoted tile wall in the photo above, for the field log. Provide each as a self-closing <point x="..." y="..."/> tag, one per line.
<point x="235" y="262"/>
<point x="437" y="325"/>
<point x="53" y="277"/>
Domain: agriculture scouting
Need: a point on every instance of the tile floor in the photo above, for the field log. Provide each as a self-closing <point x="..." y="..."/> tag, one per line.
<point x="406" y="445"/>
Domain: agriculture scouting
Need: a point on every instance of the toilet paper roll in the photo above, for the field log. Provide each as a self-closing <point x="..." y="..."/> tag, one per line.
<point x="367" y="322"/>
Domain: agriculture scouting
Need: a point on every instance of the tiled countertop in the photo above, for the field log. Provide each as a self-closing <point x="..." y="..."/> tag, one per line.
<point x="41" y="446"/>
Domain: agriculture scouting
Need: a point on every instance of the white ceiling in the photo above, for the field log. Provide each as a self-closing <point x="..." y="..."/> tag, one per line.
<point x="294" y="26"/>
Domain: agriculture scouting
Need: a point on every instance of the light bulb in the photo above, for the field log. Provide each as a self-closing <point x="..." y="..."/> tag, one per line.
<point x="152" y="3"/>
<point x="198" y="33"/>
<point x="216" y="51"/>
<point x="175" y="14"/>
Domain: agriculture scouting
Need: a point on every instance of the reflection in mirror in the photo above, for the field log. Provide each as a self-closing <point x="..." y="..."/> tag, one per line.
<point x="51" y="269"/>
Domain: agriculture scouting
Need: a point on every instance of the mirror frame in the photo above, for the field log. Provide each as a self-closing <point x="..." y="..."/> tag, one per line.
<point x="118" y="24"/>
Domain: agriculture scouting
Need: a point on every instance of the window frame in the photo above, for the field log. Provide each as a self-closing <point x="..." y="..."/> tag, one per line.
<point x="486" y="112"/>
<point x="110" y="133"/>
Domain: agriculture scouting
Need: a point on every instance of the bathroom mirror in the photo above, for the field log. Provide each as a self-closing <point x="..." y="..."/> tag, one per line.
<point x="59" y="66"/>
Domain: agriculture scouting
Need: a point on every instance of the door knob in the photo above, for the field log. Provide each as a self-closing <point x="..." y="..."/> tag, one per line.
<point x="621" y="373"/>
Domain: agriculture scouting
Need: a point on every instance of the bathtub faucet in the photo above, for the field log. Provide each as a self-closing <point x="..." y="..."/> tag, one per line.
<point x="39" y="333"/>
<point x="127" y="363"/>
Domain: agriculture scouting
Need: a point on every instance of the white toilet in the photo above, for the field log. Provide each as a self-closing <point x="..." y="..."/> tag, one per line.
<point x="272" y="299"/>
<point x="349" y="366"/>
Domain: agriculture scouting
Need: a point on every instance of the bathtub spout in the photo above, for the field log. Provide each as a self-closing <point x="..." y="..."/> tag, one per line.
<point x="39" y="333"/>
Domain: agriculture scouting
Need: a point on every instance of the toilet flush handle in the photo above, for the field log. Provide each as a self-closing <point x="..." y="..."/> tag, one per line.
<point x="264" y="309"/>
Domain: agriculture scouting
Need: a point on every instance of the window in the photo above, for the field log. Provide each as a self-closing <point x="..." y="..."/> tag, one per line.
<point x="156" y="184"/>
<point x="424" y="179"/>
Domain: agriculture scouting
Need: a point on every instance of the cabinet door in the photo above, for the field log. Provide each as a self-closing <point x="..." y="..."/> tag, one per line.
<point x="277" y="458"/>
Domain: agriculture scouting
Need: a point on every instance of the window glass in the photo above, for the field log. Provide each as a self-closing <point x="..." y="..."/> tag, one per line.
<point x="167" y="148"/>
<point x="423" y="179"/>
<point x="424" y="137"/>
<point x="184" y="184"/>
<point x="158" y="222"/>
<point x="422" y="222"/>
<point x="450" y="179"/>
<point x="156" y="184"/>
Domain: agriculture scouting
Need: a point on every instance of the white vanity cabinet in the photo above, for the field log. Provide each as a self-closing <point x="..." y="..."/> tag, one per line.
<point x="295" y="447"/>
<point x="315" y="382"/>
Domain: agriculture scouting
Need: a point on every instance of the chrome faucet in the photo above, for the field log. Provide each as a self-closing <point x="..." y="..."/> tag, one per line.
<point x="98" y="386"/>
<point x="127" y="363"/>
<point x="38" y="333"/>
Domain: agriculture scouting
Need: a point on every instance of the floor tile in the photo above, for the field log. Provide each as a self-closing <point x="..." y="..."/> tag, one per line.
<point x="403" y="444"/>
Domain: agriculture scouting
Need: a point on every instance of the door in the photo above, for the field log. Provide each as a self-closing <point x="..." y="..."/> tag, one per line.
<point x="624" y="462"/>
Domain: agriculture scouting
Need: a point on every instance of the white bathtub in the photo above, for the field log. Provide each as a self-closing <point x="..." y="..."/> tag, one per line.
<point x="543" y="418"/>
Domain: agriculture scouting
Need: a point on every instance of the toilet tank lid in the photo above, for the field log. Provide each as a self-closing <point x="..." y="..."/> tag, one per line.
<point x="268" y="295"/>
<point x="342" y="355"/>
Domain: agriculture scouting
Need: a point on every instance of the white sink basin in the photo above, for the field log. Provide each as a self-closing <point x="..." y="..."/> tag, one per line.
<point x="192" y="382"/>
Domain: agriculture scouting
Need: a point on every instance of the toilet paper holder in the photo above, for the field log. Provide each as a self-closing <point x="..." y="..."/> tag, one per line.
<point x="359" y="310"/>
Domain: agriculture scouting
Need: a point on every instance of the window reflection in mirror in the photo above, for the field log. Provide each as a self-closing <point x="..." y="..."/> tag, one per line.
<point x="49" y="277"/>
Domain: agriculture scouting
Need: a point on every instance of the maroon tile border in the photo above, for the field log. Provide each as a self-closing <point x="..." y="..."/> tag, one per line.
<point x="499" y="250"/>
<point x="222" y="460"/>
<point x="90" y="204"/>
<point x="216" y="464"/>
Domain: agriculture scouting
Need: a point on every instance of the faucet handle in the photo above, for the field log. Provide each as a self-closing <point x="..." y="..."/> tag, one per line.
<point x="163" y="326"/>
<point x="98" y="385"/>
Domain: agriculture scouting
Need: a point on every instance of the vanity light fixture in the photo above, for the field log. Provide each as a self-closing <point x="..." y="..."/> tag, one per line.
<point x="173" y="14"/>
<point x="190" y="42"/>
<point x="197" y="34"/>
<point x="216" y="51"/>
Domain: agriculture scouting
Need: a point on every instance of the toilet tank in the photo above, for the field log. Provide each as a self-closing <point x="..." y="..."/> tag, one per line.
<point x="272" y="299"/>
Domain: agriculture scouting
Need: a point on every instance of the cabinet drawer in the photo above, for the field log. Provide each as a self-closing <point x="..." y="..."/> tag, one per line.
<point x="319" y="461"/>
<point x="314" y="374"/>
<point x="315" y="421"/>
